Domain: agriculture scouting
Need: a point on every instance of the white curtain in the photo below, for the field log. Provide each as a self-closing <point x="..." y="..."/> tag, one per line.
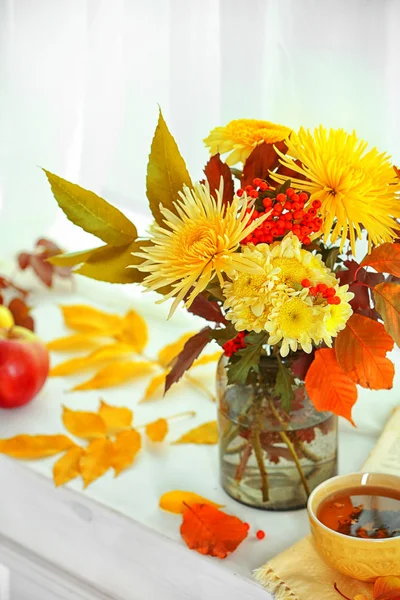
<point x="81" y="80"/>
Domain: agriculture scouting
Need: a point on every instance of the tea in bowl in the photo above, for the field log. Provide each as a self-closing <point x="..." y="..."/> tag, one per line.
<point x="355" y="523"/>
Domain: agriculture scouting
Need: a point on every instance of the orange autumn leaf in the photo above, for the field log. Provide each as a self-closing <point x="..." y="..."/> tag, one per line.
<point x="106" y="353"/>
<point x="79" y="341"/>
<point x="204" y="434"/>
<point x="133" y="331"/>
<point x="177" y="501"/>
<point x="83" y="424"/>
<point x="387" y="588"/>
<point x="157" y="430"/>
<point x="206" y="359"/>
<point x="387" y="303"/>
<point x="67" y="467"/>
<point x="167" y="354"/>
<point x="116" y="418"/>
<point x="328" y="387"/>
<point x="87" y="319"/>
<point x="384" y="259"/>
<point x="155" y="383"/>
<point x="95" y="460"/>
<point x="31" y="447"/>
<point x="124" y="450"/>
<point x="117" y="374"/>
<point x="361" y="597"/>
<point x="361" y="352"/>
<point x="209" y="531"/>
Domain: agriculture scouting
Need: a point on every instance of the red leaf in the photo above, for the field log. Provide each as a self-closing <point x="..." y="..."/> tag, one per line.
<point x="210" y="531"/>
<point x="361" y="352"/>
<point x="328" y="387"/>
<point x="50" y="247"/>
<point x="191" y="350"/>
<point x="43" y="269"/>
<point x="213" y="170"/>
<point x="202" y="307"/>
<point x="21" y="314"/>
<point x="384" y="259"/>
<point x="301" y="365"/>
<point x="24" y="260"/>
<point x="262" y="160"/>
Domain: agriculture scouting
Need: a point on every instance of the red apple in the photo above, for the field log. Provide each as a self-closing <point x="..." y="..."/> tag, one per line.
<point x="24" y="366"/>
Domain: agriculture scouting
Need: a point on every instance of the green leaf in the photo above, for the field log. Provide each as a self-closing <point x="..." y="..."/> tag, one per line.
<point x="331" y="257"/>
<point x="246" y="359"/>
<point x="71" y="259"/>
<point x="109" y="263"/>
<point x="284" y="386"/>
<point x="92" y="213"/>
<point x="223" y="334"/>
<point x="281" y="189"/>
<point x="166" y="171"/>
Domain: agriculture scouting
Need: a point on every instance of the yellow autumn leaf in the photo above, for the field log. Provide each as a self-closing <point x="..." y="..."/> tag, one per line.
<point x="67" y="467"/>
<point x="167" y="354"/>
<point x="206" y="359"/>
<point x="106" y="353"/>
<point x="35" y="446"/>
<point x="87" y="319"/>
<point x="96" y="460"/>
<point x="133" y="331"/>
<point x="157" y="430"/>
<point x="155" y="383"/>
<point x="116" y="418"/>
<point x="79" y="341"/>
<point x="83" y="424"/>
<point x="204" y="434"/>
<point x="125" y="447"/>
<point x="117" y="374"/>
<point x="177" y="501"/>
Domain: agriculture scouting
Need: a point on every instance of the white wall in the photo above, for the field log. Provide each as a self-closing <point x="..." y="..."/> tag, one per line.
<point x="80" y="81"/>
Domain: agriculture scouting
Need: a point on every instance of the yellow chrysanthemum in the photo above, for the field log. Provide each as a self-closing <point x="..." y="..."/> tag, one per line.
<point x="357" y="187"/>
<point x="337" y="315"/>
<point x="294" y="322"/>
<point x="197" y="243"/>
<point x="242" y="136"/>
<point x="251" y="289"/>
<point x="295" y="263"/>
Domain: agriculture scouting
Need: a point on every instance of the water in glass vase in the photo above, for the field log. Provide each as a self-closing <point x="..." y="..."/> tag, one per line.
<point x="270" y="459"/>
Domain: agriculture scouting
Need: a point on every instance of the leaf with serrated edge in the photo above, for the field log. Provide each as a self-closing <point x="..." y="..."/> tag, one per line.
<point x="67" y="467"/>
<point x="90" y="212"/>
<point x="114" y="265"/>
<point x="96" y="460"/>
<point x="361" y="350"/>
<point x="387" y="303"/>
<point x="191" y="350"/>
<point x="116" y="374"/>
<point x="157" y="430"/>
<point x="177" y="501"/>
<point x="134" y="331"/>
<point x="83" y="424"/>
<point x="247" y="358"/>
<point x="167" y="354"/>
<point x="87" y="319"/>
<point x="166" y="172"/>
<point x="203" y="434"/>
<point x="328" y="387"/>
<point x="117" y="418"/>
<point x="384" y="259"/>
<point x="155" y="383"/>
<point x="32" y="447"/>
<point x="105" y="354"/>
<point x="206" y="359"/>
<point x="125" y="448"/>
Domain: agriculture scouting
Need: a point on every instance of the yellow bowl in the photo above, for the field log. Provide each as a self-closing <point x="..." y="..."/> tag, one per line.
<point x="362" y="559"/>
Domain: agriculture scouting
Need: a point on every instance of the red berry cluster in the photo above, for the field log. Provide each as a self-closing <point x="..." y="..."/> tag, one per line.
<point x="329" y="293"/>
<point x="287" y="214"/>
<point x="234" y="345"/>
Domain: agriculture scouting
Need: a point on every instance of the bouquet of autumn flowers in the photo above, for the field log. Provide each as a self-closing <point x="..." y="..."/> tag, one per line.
<point x="264" y="248"/>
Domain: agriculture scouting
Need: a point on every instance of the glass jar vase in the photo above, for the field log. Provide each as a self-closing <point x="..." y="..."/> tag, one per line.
<point x="272" y="458"/>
